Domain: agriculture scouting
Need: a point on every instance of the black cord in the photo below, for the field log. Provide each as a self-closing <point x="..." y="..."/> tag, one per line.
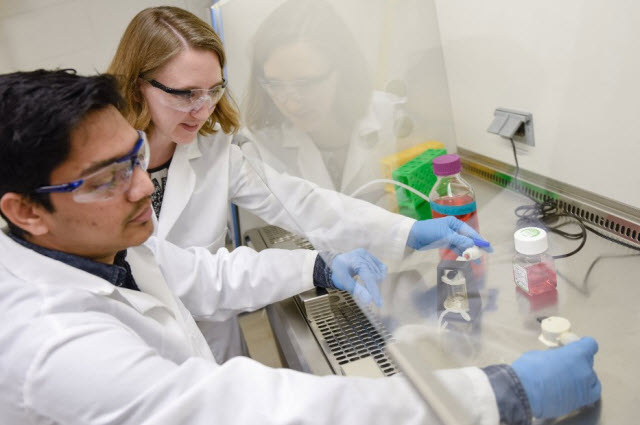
<point x="515" y="156"/>
<point x="547" y="213"/>
<point x="602" y="257"/>
<point x="602" y="235"/>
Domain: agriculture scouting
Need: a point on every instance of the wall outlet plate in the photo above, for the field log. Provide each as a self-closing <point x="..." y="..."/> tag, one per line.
<point x="512" y="124"/>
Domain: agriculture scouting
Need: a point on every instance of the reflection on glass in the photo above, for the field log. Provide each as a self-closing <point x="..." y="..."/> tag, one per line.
<point x="310" y="104"/>
<point x="459" y="308"/>
<point x="541" y="305"/>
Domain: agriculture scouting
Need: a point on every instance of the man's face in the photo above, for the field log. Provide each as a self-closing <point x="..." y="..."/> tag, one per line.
<point x="98" y="230"/>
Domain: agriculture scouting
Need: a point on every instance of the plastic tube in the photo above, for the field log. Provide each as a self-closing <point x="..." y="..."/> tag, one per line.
<point x="397" y="183"/>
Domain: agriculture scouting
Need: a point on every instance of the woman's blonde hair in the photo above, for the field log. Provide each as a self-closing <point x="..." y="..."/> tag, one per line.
<point x="154" y="37"/>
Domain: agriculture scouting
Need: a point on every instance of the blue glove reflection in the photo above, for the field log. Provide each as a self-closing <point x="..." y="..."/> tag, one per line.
<point x="445" y="232"/>
<point x="561" y="380"/>
<point x="363" y="264"/>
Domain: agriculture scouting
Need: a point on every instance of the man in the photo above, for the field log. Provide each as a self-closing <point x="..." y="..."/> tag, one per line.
<point x="92" y="332"/>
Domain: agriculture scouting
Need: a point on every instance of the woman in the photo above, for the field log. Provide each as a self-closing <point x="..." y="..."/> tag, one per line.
<point x="311" y="106"/>
<point x="169" y="67"/>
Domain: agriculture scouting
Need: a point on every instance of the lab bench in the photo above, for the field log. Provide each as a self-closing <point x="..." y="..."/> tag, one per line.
<point x="597" y="291"/>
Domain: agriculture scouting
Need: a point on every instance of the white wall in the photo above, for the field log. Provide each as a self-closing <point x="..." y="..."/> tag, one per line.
<point x="80" y="34"/>
<point x="575" y="64"/>
<point x="399" y="39"/>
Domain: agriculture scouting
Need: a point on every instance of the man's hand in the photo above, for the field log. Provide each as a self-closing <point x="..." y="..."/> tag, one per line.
<point x="359" y="262"/>
<point x="559" y="380"/>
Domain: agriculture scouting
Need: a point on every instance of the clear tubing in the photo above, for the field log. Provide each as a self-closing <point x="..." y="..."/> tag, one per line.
<point x="397" y="183"/>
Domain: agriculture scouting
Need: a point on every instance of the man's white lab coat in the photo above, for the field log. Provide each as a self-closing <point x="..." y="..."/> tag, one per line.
<point x="79" y="350"/>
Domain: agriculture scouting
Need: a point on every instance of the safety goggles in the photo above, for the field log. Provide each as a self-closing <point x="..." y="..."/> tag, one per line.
<point x="190" y="100"/>
<point x="108" y="181"/>
<point x="280" y="89"/>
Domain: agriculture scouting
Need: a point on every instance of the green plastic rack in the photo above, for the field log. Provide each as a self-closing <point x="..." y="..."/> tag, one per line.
<point x="418" y="174"/>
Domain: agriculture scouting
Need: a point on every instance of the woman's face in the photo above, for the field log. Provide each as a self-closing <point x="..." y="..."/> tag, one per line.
<point x="191" y="69"/>
<point x="301" y="84"/>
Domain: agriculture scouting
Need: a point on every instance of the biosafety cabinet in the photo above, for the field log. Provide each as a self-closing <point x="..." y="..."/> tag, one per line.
<point x="540" y="102"/>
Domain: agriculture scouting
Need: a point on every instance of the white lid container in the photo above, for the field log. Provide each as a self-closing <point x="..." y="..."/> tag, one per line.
<point x="530" y="240"/>
<point x="553" y="328"/>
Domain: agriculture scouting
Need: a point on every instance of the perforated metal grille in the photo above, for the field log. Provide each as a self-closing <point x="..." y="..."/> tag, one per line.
<point x="346" y="333"/>
<point x="599" y="217"/>
<point x="277" y="235"/>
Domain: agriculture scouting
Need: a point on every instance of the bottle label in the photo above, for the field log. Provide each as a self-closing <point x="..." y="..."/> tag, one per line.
<point x="520" y="276"/>
<point x="453" y="209"/>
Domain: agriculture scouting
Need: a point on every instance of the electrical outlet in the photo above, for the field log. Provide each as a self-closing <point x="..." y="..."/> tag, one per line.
<point x="512" y="124"/>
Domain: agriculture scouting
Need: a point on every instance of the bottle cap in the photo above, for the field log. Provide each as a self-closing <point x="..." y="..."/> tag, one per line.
<point x="530" y="240"/>
<point x="446" y="165"/>
<point x="481" y="243"/>
<point x="470" y="254"/>
<point x="556" y="331"/>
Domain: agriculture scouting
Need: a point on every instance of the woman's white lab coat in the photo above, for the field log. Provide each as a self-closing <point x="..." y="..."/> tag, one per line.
<point x="207" y="174"/>
<point x="79" y="350"/>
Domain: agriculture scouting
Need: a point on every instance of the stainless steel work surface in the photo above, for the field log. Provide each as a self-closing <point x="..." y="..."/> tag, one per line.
<point x="597" y="292"/>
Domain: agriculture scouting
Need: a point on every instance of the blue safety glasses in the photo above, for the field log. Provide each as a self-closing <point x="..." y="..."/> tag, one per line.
<point x="108" y="181"/>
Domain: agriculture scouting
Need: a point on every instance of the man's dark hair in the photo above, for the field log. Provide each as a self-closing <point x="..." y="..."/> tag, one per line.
<point x="38" y="111"/>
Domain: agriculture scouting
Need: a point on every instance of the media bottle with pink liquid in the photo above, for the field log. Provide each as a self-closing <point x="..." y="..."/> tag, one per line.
<point x="452" y="195"/>
<point x="533" y="269"/>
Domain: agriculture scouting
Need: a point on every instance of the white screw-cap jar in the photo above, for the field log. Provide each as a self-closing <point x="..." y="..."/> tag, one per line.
<point x="530" y="241"/>
<point x="533" y="269"/>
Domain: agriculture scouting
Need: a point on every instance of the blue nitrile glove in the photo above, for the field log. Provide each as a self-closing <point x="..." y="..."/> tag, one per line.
<point x="445" y="232"/>
<point x="362" y="263"/>
<point x="559" y="380"/>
